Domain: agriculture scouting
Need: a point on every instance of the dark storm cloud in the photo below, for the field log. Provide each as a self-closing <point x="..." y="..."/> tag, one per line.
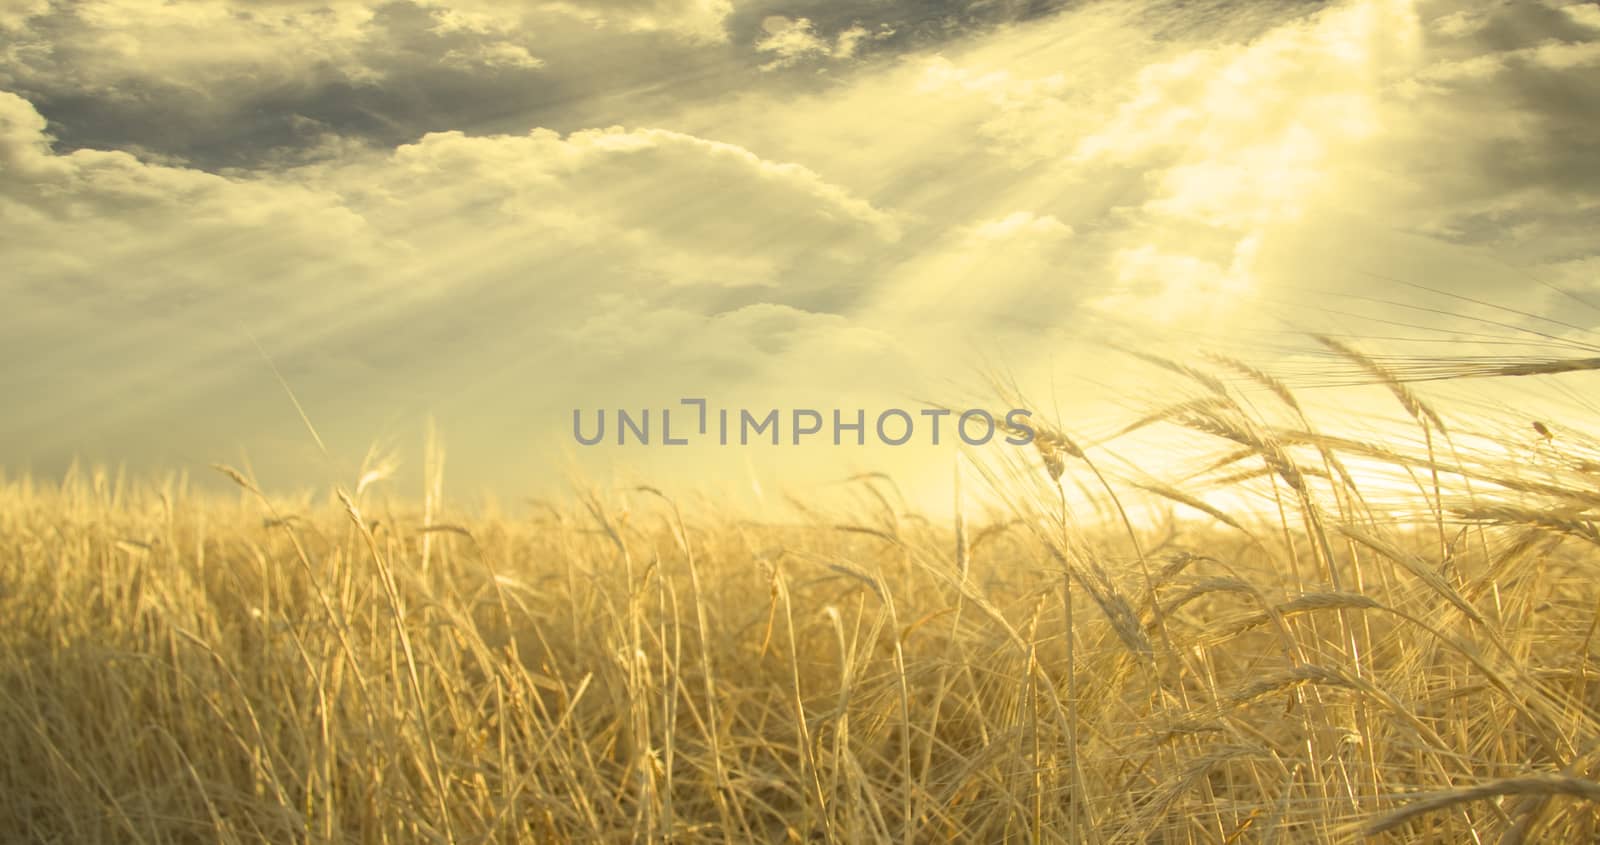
<point x="412" y="68"/>
<point x="1505" y="121"/>
<point x="386" y="80"/>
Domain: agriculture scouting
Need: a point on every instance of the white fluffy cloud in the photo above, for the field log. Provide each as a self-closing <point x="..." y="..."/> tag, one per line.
<point x="555" y="250"/>
<point x="664" y="206"/>
<point x="655" y="205"/>
<point x="93" y="225"/>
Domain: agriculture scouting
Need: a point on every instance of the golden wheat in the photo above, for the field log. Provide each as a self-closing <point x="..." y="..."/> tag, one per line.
<point x="176" y="666"/>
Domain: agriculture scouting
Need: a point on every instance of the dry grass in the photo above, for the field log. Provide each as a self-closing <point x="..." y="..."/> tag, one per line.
<point x="183" y="668"/>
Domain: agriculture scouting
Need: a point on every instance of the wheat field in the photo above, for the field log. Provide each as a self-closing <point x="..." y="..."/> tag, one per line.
<point x="1345" y="664"/>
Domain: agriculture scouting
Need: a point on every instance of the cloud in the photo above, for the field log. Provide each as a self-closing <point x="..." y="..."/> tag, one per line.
<point x="1526" y="176"/>
<point x="682" y="210"/>
<point x="212" y="46"/>
<point x="790" y="41"/>
<point x="141" y="279"/>
<point x="1164" y="287"/>
<point x="988" y="283"/>
<point x="115" y="47"/>
<point x="398" y="238"/>
<point x="1025" y="119"/>
<point x="793" y="41"/>
<point x="849" y="41"/>
<point x="1183" y="148"/>
<point x="1020" y="224"/>
<point x="655" y="206"/>
<point x="497" y="55"/>
<point x="699" y="20"/>
<point x="223" y="85"/>
<point x="14" y="13"/>
<point x="102" y="227"/>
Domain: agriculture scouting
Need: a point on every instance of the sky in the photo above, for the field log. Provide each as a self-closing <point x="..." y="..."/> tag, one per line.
<point x="218" y="216"/>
